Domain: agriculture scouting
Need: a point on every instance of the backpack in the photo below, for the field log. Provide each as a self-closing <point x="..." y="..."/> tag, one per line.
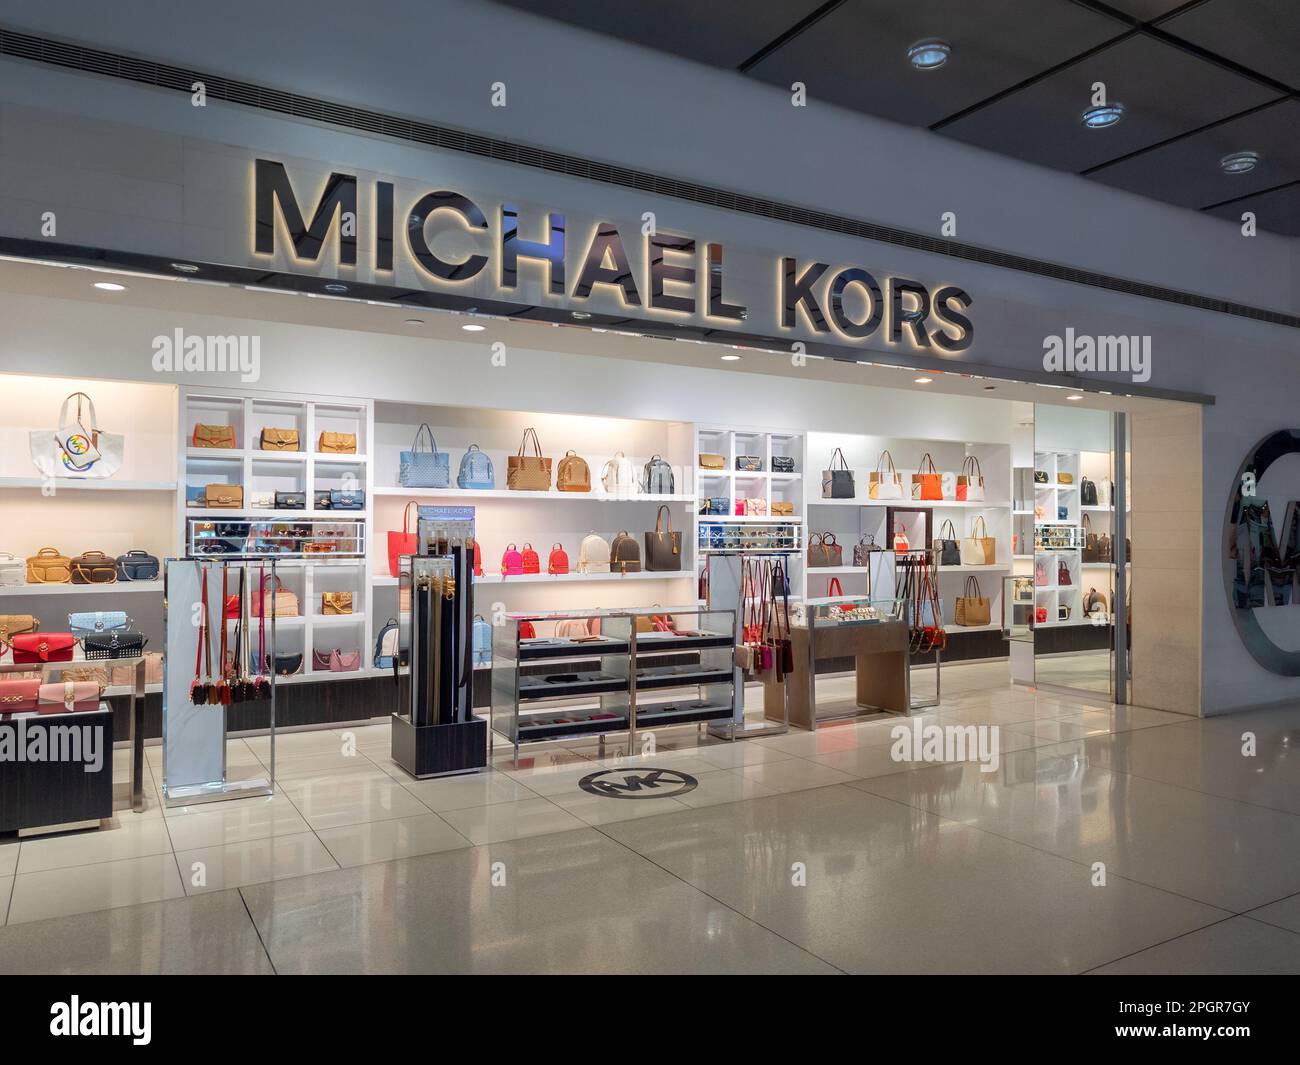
<point x="558" y="562"/>
<point x="388" y="652"/>
<point x="531" y="563"/>
<point x="482" y="639"/>
<point x="573" y="475"/>
<point x="658" y="480"/>
<point x="625" y="555"/>
<point x="475" y="470"/>
<point x="618" y="476"/>
<point x="512" y="562"/>
<point x="593" y="555"/>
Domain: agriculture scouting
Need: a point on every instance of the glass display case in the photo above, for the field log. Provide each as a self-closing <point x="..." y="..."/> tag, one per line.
<point x="849" y="610"/>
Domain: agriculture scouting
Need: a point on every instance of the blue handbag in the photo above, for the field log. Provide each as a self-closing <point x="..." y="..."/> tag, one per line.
<point x="421" y="468"/>
<point x="475" y="470"/>
<point x="347" y="500"/>
<point x="84" y="622"/>
<point x="482" y="642"/>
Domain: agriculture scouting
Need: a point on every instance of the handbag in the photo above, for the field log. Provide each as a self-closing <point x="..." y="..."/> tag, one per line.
<point x="68" y="695"/>
<point x="557" y="561"/>
<point x="224" y="496"/>
<point x="344" y="661"/>
<point x="782" y="464"/>
<point x="13" y="571"/>
<point x="749" y="463"/>
<point x="972" y="607"/>
<point x="292" y="500"/>
<point x="1062" y="575"/>
<point x="528" y="473"/>
<point x="970" y="483"/>
<point x="482" y="641"/>
<point x="283" y="601"/>
<point x="337" y="443"/>
<point x="1040" y="476"/>
<point x="83" y="622"/>
<point x="837" y="478"/>
<point x="1088" y="493"/>
<point x="658" y="478"/>
<point x="901" y="543"/>
<point x="618" y="477"/>
<point x="570" y="629"/>
<point x="12" y="625"/>
<point x="823" y="551"/>
<point x="222" y="436"/>
<point x="756" y="508"/>
<point x="949" y="551"/>
<point x="573" y="474"/>
<point x="862" y="550"/>
<point x="401" y="543"/>
<point x="153" y="670"/>
<point x="320" y="660"/>
<point x="43" y="647"/>
<point x="712" y="461"/>
<point x="17" y="696"/>
<point x="94" y="567"/>
<point x="885" y="482"/>
<point x="926" y="482"/>
<point x="419" y="468"/>
<point x="335" y="603"/>
<point x="78" y="447"/>
<point x="475" y="471"/>
<point x="532" y="563"/>
<point x="624" y="554"/>
<point x="114" y="645"/>
<point x="979" y="549"/>
<point x="47" y="566"/>
<point x="284" y="665"/>
<point x="354" y="500"/>
<point x="782" y="509"/>
<point x="1065" y="478"/>
<point x="1094" y="603"/>
<point x="320" y="499"/>
<point x="279" y="440"/>
<point x="137" y="565"/>
<point x="512" y="562"/>
<point x="593" y="554"/>
<point x="1040" y="574"/>
<point x="715" y="505"/>
<point x="663" y="546"/>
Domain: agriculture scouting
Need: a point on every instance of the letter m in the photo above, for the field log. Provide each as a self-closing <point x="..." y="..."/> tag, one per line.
<point x="271" y="187"/>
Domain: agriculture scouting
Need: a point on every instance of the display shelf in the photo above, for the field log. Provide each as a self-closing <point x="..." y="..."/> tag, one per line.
<point x="118" y="587"/>
<point x="88" y="484"/>
<point x="234" y="514"/>
<point x="909" y="504"/>
<point x="996" y="567"/>
<point x="520" y="497"/>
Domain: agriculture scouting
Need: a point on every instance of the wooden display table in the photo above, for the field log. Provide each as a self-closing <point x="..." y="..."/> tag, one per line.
<point x="880" y="650"/>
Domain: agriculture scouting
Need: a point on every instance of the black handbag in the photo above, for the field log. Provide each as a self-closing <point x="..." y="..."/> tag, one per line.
<point x="837" y="480"/>
<point x="949" y="548"/>
<point x="137" y="566"/>
<point x="322" y="500"/>
<point x="1040" y="476"/>
<point x="782" y="464"/>
<point x="749" y="463"/>
<point x="663" y="546"/>
<point x="1088" y="493"/>
<point x="347" y="500"/>
<point x="114" y="644"/>
<point x="285" y="665"/>
<point x="290" y="500"/>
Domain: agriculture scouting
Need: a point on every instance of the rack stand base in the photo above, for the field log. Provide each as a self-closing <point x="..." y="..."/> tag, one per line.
<point x="440" y="750"/>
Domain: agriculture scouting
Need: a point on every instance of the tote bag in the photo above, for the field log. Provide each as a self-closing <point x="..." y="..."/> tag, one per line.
<point x="970" y="485"/>
<point x="926" y="482"/>
<point x="884" y="481"/>
<point x="979" y="549"/>
<point x="77" y="448"/>
<point x="528" y="473"/>
<point x="837" y="479"/>
<point x="949" y="551"/>
<point x="972" y="608"/>
<point x="401" y="543"/>
<point x="424" y="469"/>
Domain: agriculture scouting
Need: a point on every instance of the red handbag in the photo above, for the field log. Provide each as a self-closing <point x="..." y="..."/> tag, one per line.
<point x="67" y="696"/>
<point x="527" y="631"/>
<point x="478" y="560"/>
<point x="531" y="562"/>
<point x="405" y="543"/>
<point x="16" y="695"/>
<point x="44" y="647"/>
<point x="558" y="561"/>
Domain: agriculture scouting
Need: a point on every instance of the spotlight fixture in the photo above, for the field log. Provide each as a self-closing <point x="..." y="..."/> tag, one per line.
<point x="929" y="54"/>
<point x="110" y="286"/>
<point x="1239" y="162"/>
<point x="185" y="268"/>
<point x="473" y="327"/>
<point x="729" y="358"/>
<point x="413" y="321"/>
<point x="1074" y="399"/>
<point x="1102" y="117"/>
<point x="336" y="287"/>
<point x="580" y="316"/>
<point x="924" y="380"/>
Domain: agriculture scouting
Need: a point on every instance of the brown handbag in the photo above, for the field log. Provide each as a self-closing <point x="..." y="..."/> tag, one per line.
<point x="782" y="510"/>
<point x="47" y="566"/>
<point x="338" y="443"/>
<point x="972" y="607"/>
<point x="624" y="554"/>
<point x="335" y="603"/>
<point x="12" y="625"/>
<point x="224" y="496"/>
<point x="222" y="436"/>
<point x="711" y="461"/>
<point x="279" y="440"/>
<point x="663" y="546"/>
<point x="573" y="474"/>
<point x="94" y="567"/>
<point x="823" y="551"/>
<point x="528" y="473"/>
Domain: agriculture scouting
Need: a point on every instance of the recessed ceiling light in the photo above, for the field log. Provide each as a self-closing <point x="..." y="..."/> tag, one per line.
<point x="1102" y="117"/>
<point x="924" y="380"/>
<point x="473" y="327"/>
<point x="1239" y="162"/>
<point x="929" y="54"/>
<point x="185" y="268"/>
<point x="1073" y="399"/>
<point x="336" y="286"/>
<point x="729" y="358"/>
<point x="580" y="316"/>
<point x="414" y="321"/>
<point x="989" y="388"/>
<point x="110" y="286"/>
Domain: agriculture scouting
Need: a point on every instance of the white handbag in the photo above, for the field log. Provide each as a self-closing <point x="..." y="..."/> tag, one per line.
<point x="977" y="549"/>
<point x="77" y="448"/>
<point x="13" y="571"/>
<point x="619" y="477"/>
<point x="593" y="555"/>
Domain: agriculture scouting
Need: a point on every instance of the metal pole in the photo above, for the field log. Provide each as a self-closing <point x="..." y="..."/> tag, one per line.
<point x="1119" y="556"/>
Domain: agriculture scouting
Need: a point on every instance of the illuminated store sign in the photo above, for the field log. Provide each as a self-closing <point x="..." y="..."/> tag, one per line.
<point x="663" y="274"/>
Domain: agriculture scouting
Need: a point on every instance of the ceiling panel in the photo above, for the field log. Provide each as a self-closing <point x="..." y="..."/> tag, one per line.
<point x="1263" y="35"/>
<point x="721" y="32"/>
<point x="1277" y="211"/>
<point x="1187" y="171"/>
<point x="856" y="56"/>
<point x="1146" y="10"/>
<point x="1165" y="91"/>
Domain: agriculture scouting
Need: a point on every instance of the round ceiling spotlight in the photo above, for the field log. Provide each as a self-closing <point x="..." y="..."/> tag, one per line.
<point x="110" y="286"/>
<point x="473" y="327"/>
<point x="1239" y="162"/>
<point x="580" y="316"/>
<point x="924" y="380"/>
<point x="729" y="358"/>
<point x="185" y="268"/>
<point x="1102" y="117"/>
<point x="336" y="286"/>
<point x="413" y="321"/>
<point x="929" y="54"/>
<point x="1074" y="399"/>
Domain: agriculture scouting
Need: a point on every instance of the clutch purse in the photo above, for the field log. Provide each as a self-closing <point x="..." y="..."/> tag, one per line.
<point x="279" y="440"/>
<point x="224" y="496"/>
<point x="114" y="645"/>
<point x="336" y="603"/>
<point x="18" y="695"/>
<point x="39" y="647"/>
<point x="338" y="443"/>
<point x="68" y="695"/>
<point x="222" y="436"/>
<point x="710" y="461"/>
<point x="290" y="500"/>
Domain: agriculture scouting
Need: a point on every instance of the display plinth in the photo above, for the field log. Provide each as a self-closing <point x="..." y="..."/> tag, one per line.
<point x="440" y="750"/>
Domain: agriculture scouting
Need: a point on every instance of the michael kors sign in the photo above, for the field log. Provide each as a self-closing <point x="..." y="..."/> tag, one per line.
<point x="659" y="274"/>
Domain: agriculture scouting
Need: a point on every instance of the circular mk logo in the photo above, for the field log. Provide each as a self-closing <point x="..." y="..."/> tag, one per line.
<point x="634" y="783"/>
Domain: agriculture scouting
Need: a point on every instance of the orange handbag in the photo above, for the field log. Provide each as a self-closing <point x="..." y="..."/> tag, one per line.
<point x="926" y="482"/>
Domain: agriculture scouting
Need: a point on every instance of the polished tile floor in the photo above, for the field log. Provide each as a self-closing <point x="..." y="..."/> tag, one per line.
<point x="1106" y="840"/>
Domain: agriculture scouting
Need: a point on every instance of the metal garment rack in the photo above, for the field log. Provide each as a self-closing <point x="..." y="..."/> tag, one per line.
<point x="902" y="560"/>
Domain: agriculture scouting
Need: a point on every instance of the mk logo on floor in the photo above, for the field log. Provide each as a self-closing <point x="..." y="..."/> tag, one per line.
<point x="638" y="783"/>
<point x="947" y="743"/>
<point x="133" y="1020"/>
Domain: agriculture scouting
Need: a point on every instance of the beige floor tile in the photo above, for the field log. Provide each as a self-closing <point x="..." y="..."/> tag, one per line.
<point x="603" y="810"/>
<point x="385" y="841"/>
<point x="338" y="799"/>
<point x="6" y="889"/>
<point x="103" y="885"/>
<point x="470" y="789"/>
<point x="213" y="825"/>
<point x="730" y="785"/>
<point x="135" y="838"/>
<point x="511" y="820"/>
<point x="794" y="774"/>
<point x="740" y="753"/>
<point x="9" y="857"/>
<point x="253" y="862"/>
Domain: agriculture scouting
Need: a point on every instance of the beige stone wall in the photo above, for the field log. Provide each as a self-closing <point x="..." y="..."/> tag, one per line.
<point x="1167" y="519"/>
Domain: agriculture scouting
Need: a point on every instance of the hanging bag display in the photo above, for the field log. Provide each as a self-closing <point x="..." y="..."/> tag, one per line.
<point x="476" y="470"/>
<point x="972" y="608"/>
<point x="528" y="473"/>
<point x="424" y="466"/>
<point x="823" y="551"/>
<point x="949" y="551"/>
<point x="926" y="482"/>
<point x="78" y="447"/>
<point x="573" y="474"/>
<point x="837" y="478"/>
<point x="663" y="546"/>
<point x="979" y="549"/>
<point x="885" y="482"/>
<point x="970" y="483"/>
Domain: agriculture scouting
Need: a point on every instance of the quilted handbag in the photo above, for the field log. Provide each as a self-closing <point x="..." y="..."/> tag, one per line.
<point x="837" y="478"/>
<point x="663" y="546"/>
<point x="68" y="695"/>
<point x="47" y="566"/>
<point x="528" y="473"/>
<point x="18" y="695"/>
<point x="823" y="551"/>
<point x="38" y="647"/>
<point x="557" y="561"/>
<point x="573" y="474"/>
<point x="12" y="625"/>
<point x="347" y="500"/>
<point x="94" y="567"/>
<point x="749" y="463"/>
<point x="926" y="482"/>
<point x="782" y="464"/>
<point x="224" y="496"/>
<point x="344" y="661"/>
<point x="291" y="500"/>
<point x="114" y="645"/>
<point x="624" y="554"/>
<point x="715" y="505"/>
<point x="137" y="565"/>
<point x="222" y="436"/>
<point x="320" y="500"/>
<point x="512" y="561"/>
<point x="337" y="443"/>
<point x="476" y="470"/>
<point x="279" y="440"/>
<point x="531" y="562"/>
<point x="658" y="478"/>
<point x="83" y="622"/>
<point x="332" y="603"/>
<point x="13" y="571"/>
<point x="424" y="466"/>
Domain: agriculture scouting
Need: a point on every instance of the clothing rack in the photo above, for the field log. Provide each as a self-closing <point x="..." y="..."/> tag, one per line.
<point x="905" y="563"/>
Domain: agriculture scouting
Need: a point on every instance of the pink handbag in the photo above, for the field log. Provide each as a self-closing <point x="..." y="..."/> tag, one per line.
<point x="344" y="661"/>
<point x="68" y="695"/>
<point x="512" y="561"/>
<point x="18" y="695"/>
